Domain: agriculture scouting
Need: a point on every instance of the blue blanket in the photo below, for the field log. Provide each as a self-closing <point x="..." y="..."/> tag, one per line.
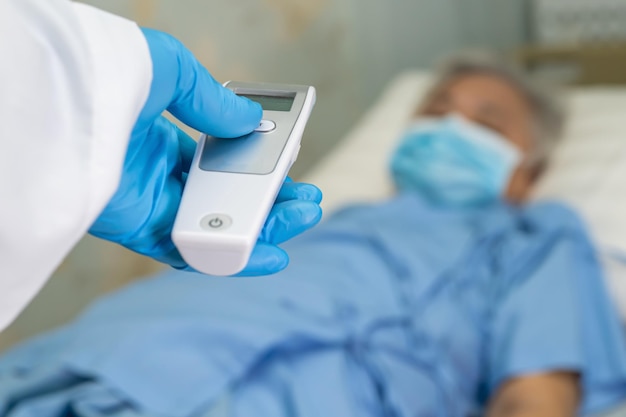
<point x="388" y="310"/>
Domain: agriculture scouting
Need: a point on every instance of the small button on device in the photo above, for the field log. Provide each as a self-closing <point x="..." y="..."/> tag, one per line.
<point x="265" y="126"/>
<point x="216" y="222"/>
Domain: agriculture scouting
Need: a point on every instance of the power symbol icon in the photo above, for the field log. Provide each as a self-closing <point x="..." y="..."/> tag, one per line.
<point x="216" y="222"/>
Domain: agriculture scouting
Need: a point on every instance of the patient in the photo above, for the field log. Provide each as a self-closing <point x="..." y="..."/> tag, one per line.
<point x="454" y="298"/>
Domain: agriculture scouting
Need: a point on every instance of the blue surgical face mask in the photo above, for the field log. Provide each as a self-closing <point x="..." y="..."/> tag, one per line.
<point x="453" y="162"/>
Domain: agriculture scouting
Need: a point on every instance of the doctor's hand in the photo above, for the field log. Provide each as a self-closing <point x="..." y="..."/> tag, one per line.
<point x="141" y="213"/>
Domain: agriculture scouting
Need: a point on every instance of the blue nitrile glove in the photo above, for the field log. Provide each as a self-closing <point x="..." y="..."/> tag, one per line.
<point x="141" y="214"/>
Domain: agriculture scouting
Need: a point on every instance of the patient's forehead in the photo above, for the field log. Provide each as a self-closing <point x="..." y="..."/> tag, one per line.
<point x="486" y="99"/>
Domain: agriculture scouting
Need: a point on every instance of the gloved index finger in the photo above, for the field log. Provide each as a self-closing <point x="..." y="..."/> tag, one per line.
<point x="197" y="99"/>
<point x="204" y="104"/>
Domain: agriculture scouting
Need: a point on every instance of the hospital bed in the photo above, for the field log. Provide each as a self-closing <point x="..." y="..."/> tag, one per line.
<point x="588" y="170"/>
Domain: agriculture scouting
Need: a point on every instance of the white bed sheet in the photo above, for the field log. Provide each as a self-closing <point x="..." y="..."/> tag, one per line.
<point x="588" y="169"/>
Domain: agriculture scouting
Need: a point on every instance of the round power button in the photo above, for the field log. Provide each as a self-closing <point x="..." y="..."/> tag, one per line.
<point x="265" y="126"/>
<point x="216" y="222"/>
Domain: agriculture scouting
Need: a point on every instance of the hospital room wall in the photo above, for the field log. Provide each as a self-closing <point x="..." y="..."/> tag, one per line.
<point x="348" y="49"/>
<point x="398" y="35"/>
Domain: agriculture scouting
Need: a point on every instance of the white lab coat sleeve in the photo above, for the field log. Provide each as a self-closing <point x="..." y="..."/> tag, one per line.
<point x="73" y="80"/>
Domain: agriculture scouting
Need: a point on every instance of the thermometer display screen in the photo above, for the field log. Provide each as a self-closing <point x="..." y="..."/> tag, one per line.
<point x="272" y="103"/>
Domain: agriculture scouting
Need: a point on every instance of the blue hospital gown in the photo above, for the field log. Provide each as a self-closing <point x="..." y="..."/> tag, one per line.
<point x="391" y="310"/>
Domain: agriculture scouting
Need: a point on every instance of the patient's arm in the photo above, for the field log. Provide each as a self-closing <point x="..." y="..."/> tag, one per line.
<point x="555" y="394"/>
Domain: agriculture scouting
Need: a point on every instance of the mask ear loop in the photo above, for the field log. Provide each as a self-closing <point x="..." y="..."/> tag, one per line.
<point x="539" y="161"/>
<point x="536" y="164"/>
<point x="537" y="169"/>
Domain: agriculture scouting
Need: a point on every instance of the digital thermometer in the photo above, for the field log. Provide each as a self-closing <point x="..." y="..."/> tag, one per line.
<point x="232" y="183"/>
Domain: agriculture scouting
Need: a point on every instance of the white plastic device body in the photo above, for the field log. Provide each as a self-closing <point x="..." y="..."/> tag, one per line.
<point x="233" y="183"/>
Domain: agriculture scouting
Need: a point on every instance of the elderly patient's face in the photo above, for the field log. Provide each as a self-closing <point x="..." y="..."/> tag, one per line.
<point x="494" y="103"/>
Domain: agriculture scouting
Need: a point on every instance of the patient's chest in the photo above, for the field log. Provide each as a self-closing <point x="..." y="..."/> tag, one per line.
<point x="417" y="287"/>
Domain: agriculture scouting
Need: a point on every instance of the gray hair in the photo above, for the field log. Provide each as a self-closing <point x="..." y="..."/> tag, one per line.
<point x="547" y="109"/>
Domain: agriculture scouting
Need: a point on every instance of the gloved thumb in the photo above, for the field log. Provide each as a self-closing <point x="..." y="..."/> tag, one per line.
<point x="181" y="85"/>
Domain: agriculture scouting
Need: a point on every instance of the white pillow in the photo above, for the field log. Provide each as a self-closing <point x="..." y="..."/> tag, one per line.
<point x="356" y="169"/>
<point x="588" y="170"/>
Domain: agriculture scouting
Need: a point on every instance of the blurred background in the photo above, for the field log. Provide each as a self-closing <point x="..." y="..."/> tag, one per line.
<point x="349" y="50"/>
